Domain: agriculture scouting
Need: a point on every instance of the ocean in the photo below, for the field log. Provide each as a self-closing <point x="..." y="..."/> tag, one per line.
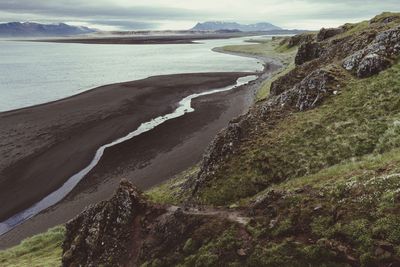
<point x="33" y="73"/>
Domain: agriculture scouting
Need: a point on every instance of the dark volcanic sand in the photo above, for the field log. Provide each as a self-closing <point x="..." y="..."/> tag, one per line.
<point x="46" y="144"/>
<point x="148" y="39"/>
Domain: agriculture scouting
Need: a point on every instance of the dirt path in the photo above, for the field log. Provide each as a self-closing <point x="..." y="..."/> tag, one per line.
<point x="231" y="215"/>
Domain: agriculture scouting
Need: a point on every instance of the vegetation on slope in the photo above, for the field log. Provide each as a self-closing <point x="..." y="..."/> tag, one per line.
<point x="342" y="215"/>
<point x="42" y="250"/>
<point x="363" y="119"/>
<point x="322" y="186"/>
<point x="351" y="208"/>
<point x="319" y="187"/>
<point x="170" y="191"/>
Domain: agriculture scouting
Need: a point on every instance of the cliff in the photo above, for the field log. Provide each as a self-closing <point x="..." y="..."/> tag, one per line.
<point x="310" y="176"/>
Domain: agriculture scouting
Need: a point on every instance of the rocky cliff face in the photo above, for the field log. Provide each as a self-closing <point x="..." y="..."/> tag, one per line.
<point x="108" y="232"/>
<point x="310" y="200"/>
<point x="127" y="230"/>
<point x="322" y="63"/>
<point x="377" y="56"/>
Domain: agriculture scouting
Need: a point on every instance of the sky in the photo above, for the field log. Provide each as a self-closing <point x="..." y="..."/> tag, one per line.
<point x="184" y="14"/>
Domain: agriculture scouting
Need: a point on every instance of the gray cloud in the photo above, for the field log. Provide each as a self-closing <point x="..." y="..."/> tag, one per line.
<point x="88" y="9"/>
<point x="126" y="24"/>
<point x="126" y="14"/>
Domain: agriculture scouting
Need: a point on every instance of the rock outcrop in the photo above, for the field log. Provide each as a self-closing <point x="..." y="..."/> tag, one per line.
<point x="307" y="52"/>
<point x="104" y="233"/>
<point x="309" y="93"/>
<point x="300" y="39"/>
<point x="377" y="56"/>
<point x="324" y="34"/>
<point x="128" y="230"/>
<point x="317" y="76"/>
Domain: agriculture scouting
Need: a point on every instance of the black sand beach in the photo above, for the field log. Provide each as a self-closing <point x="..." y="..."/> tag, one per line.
<point x="148" y="39"/>
<point x="44" y="145"/>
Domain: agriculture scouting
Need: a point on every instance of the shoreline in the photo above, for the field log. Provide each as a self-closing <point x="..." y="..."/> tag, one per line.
<point x="147" y="40"/>
<point x="265" y="59"/>
<point x="221" y="108"/>
<point x="103" y="114"/>
<point x="184" y="107"/>
<point x="156" y="155"/>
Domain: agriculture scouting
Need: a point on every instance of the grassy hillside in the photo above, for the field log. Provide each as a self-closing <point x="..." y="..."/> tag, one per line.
<point x="319" y="187"/>
<point x="42" y="250"/>
<point x="322" y="186"/>
<point x="341" y="203"/>
<point x="363" y="119"/>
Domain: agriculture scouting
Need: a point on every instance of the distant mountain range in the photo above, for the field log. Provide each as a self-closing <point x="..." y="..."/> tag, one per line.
<point x="31" y="29"/>
<point x="217" y="26"/>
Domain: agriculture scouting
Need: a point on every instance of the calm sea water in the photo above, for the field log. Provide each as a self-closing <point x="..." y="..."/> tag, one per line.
<point x="35" y="73"/>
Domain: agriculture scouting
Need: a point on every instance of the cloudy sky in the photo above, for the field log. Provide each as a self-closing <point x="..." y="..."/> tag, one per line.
<point x="183" y="14"/>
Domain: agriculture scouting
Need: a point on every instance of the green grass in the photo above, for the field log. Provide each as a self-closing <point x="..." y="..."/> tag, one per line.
<point x="44" y="250"/>
<point x="345" y="172"/>
<point x="268" y="48"/>
<point x="343" y="157"/>
<point x="363" y="119"/>
<point x="359" y="28"/>
<point x="169" y="192"/>
<point x="353" y="28"/>
<point x="40" y="250"/>
<point x="358" y="206"/>
<point x="264" y="91"/>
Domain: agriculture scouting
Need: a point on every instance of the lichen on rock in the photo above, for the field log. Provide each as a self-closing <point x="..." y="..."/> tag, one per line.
<point x="375" y="57"/>
<point x="102" y="234"/>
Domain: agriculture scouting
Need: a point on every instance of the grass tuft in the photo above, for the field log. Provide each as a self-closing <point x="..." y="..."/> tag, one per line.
<point x="40" y="250"/>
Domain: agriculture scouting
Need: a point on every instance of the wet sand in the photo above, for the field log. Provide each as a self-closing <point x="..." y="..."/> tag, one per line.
<point x="44" y="145"/>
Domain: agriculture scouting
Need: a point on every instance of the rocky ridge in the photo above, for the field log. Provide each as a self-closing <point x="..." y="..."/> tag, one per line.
<point x="344" y="216"/>
<point x="322" y="63"/>
<point x="128" y="230"/>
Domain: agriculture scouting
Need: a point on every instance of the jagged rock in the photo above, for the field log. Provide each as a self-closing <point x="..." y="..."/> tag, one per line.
<point x="287" y="82"/>
<point x="375" y="57"/>
<point x="102" y="234"/>
<point x="314" y="88"/>
<point x="129" y="231"/>
<point x="308" y="93"/>
<point x="318" y="74"/>
<point x="308" y="51"/>
<point x="324" y="34"/>
<point x="222" y="147"/>
<point x="300" y="39"/>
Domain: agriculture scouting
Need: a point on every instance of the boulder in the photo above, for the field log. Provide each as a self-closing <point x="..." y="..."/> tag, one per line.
<point x="377" y="56"/>
<point x="307" y="52"/>
<point x="309" y="93"/>
<point x="324" y="34"/>
<point x="299" y="39"/>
